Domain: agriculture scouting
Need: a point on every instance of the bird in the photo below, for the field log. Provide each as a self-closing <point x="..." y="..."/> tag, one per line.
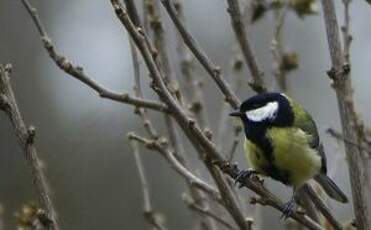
<point x="282" y="142"/>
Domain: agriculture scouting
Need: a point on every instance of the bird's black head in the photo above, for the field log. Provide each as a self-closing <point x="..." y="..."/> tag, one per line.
<point x="266" y="109"/>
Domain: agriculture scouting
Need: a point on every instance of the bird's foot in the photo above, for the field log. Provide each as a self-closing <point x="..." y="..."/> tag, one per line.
<point x="243" y="175"/>
<point x="288" y="209"/>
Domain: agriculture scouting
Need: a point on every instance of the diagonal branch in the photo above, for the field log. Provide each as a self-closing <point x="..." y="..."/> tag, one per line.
<point x="207" y="212"/>
<point x="77" y="72"/>
<point x="320" y="205"/>
<point x="257" y="83"/>
<point x="26" y="140"/>
<point x="366" y="146"/>
<point x="213" y="70"/>
<point x="159" y="145"/>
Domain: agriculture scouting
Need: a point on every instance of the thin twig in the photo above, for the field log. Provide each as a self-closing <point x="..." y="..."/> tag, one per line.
<point x="276" y="48"/>
<point x="194" y="86"/>
<point x="340" y="75"/>
<point x="149" y="213"/>
<point x="159" y="145"/>
<point x="347" y="38"/>
<point x="321" y="206"/>
<point x="229" y="198"/>
<point x="337" y="135"/>
<point x="257" y="83"/>
<point x="78" y="73"/>
<point x="26" y="138"/>
<point x="307" y="206"/>
<point x="207" y="212"/>
<point x="138" y="92"/>
<point x="213" y="70"/>
<point x="224" y="122"/>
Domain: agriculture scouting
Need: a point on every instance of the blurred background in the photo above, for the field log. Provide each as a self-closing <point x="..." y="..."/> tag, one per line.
<point x="81" y="138"/>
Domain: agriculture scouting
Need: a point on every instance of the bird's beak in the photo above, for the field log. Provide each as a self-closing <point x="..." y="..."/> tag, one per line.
<point x="235" y="114"/>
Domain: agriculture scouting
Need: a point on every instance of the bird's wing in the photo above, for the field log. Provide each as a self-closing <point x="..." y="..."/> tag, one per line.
<point x="305" y="122"/>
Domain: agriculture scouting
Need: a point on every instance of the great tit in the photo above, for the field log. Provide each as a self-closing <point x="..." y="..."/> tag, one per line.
<point x="282" y="142"/>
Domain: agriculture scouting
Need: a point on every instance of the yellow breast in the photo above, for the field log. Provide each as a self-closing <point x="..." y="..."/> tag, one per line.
<point x="291" y="154"/>
<point x="255" y="157"/>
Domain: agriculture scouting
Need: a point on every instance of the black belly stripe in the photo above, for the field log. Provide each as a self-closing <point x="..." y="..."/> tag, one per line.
<point x="257" y="135"/>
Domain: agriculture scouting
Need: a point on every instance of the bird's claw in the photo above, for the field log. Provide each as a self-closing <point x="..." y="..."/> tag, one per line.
<point x="288" y="209"/>
<point x="242" y="175"/>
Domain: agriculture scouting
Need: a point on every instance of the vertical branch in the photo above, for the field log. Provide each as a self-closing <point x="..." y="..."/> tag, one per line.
<point x="198" y="106"/>
<point x="276" y="48"/>
<point x="257" y="83"/>
<point x="347" y="38"/>
<point x="341" y="77"/>
<point x="149" y="214"/>
<point x="207" y="213"/>
<point x="138" y="93"/>
<point x="314" y="198"/>
<point x="26" y="138"/>
<point x="237" y="65"/>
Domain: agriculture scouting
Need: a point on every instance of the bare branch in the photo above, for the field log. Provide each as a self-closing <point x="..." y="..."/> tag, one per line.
<point x="257" y="83"/>
<point x="77" y="72"/>
<point x="347" y="38"/>
<point x="150" y="215"/>
<point x="138" y="92"/>
<point x="224" y="122"/>
<point x="335" y="134"/>
<point x="229" y="199"/>
<point x="353" y="131"/>
<point x="206" y="212"/>
<point x="213" y="70"/>
<point x="194" y="86"/>
<point x="132" y="9"/>
<point x="321" y="206"/>
<point x="26" y="138"/>
<point x="192" y="179"/>
<point x="276" y="48"/>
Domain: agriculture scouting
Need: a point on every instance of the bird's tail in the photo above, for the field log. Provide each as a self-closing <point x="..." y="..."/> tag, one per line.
<point x="331" y="188"/>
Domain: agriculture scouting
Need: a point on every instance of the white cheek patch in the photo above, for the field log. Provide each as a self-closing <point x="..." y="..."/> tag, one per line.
<point x="269" y="111"/>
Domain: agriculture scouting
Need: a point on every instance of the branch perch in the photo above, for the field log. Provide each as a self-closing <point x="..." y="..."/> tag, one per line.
<point x="340" y="75"/>
<point x="26" y="138"/>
